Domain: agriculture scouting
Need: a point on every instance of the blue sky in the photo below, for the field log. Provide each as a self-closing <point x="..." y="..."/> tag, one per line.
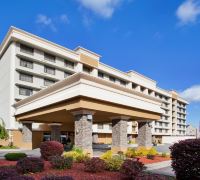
<point x="160" y="39"/>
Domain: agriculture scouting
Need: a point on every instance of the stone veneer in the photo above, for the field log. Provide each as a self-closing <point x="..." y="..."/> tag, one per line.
<point x="144" y="134"/>
<point x="83" y="132"/>
<point x="55" y="132"/>
<point x="119" y="135"/>
<point x="27" y="134"/>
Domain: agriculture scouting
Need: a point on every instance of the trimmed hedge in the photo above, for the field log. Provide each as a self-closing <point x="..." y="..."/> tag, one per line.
<point x="14" y="156"/>
<point x="30" y="165"/>
<point x="186" y="159"/>
<point x="51" y="148"/>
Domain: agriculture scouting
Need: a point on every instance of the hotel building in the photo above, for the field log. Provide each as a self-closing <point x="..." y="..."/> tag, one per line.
<point x="30" y="64"/>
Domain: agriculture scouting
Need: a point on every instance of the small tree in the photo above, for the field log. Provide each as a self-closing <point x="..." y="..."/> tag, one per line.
<point x="3" y="132"/>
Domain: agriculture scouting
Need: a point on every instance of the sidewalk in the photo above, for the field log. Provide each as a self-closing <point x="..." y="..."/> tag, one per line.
<point x="163" y="168"/>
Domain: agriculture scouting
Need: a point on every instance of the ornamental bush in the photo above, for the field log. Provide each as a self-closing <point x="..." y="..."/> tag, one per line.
<point x="131" y="153"/>
<point x="142" y="151"/>
<point x="77" y="154"/>
<point x="14" y="156"/>
<point x="59" y="162"/>
<point x="30" y="165"/>
<point x="185" y="157"/>
<point x="57" y="178"/>
<point x="153" y="151"/>
<point x="114" y="163"/>
<point x="7" y="172"/>
<point x="51" y="148"/>
<point x="95" y="165"/>
<point x="107" y="155"/>
<point x="132" y="168"/>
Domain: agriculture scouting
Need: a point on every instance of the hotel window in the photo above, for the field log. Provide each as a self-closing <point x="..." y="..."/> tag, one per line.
<point x="111" y="78"/>
<point x="49" y="57"/>
<point x="67" y="74"/>
<point x="142" y="89"/>
<point x="26" y="77"/>
<point x="110" y="126"/>
<point x="25" y="91"/>
<point x="49" y="70"/>
<point x="160" y="130"/>
<point x="25" y="63"/>
<point x="134" y="86"/>
<point x="100" y="74"/>
<point x="87" y="69"/>
<point x="100" y="126"/>
<point x="123" y="83"/>
<point x="69" y="64"/>
<point x="150" y="91"/>
<point x="48" y="82"/>
<point x="26" y="49"/>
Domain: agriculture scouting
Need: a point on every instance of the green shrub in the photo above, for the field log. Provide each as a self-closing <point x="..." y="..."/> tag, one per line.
<point x="142" y="151"/>
<point x="164" y="155"/>
<point x="114" y="163"/>
<point x="15" y="156"/>
<point x="77" y="155"/>
<point x="59" y="162"/>
<point x="107" y="155"/>
<point x="131" y="153"/>
<point x="153" y="151"/>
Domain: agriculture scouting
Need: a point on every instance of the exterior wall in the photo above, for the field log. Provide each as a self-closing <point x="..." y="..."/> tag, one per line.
<point x="191" y="131"/>
<point x="174" y="139"/>
<point x="172" y="122"/>
<point x="6" y="87"/>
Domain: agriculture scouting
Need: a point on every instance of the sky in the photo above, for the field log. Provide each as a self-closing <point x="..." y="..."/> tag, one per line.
<point x="160" y="39"/>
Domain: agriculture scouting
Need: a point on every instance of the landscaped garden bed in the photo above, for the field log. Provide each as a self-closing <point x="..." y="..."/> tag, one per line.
<point x="79" y="166"/>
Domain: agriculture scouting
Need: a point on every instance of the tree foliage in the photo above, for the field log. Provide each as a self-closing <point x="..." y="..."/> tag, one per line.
<point x="3" y="132"/>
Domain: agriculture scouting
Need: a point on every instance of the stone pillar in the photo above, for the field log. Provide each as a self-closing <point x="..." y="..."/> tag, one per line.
<point x="119" y="134"/>
<point x="144" y="134"/>
<point x="83" y="130"/>
<point x="95" y="138"/>
<point x="27" y="135"/>
<point x="55" y="131"/>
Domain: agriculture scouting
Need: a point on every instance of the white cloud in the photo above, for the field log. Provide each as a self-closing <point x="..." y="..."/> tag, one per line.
<point x="188" y="11"/>
<point x="51" y="22"/>
<point x="103" y="8"/>
<point x="45" y="21"/>
<point x="64" y="18"/>
<point x="192" y="94"/>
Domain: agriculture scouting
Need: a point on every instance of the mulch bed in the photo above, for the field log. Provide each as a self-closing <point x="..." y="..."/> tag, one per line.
<point x="78" y="173"/>
<point x="157" y="159"/>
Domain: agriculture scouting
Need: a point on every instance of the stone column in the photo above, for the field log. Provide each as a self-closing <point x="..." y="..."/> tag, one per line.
<point x="27" y="135"/>
<point x="95" y="138"/>
<point x="119" y="134"/>
<point x="55" y="131"/>
<point x="144" y="134"/>
<point x="83" y="130"/>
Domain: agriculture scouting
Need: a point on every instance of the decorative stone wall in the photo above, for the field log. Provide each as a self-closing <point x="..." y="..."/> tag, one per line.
<point x="55" y="132"/>
<point x="144" y="134"/>
<point x="95" y="138"/>
<point x="119" y="135"/>
<point x="83" y="132"/>
<point x="27" y="132"/>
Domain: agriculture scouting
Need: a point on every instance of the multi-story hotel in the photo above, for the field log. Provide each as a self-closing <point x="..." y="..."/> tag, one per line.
<point x="29" y="64"/>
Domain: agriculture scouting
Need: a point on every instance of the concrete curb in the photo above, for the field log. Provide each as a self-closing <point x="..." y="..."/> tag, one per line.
<point x="158" y="165"/>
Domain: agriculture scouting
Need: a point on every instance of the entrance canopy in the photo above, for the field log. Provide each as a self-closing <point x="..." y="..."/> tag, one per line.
<point x="85" y="92"/>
